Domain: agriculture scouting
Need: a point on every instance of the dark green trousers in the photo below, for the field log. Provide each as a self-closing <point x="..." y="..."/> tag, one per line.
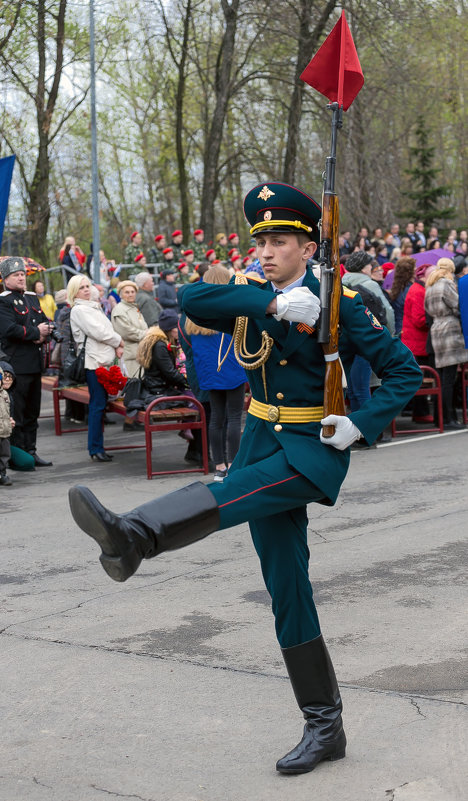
<point x="272" y="498"/>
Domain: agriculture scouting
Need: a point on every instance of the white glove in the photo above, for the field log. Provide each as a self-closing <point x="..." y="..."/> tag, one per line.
<point x="345" y="432"/>
<point x="300" y="305"/>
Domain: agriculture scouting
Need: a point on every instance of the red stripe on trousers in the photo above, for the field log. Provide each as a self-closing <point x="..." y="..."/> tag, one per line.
<point x="267" y="486"/>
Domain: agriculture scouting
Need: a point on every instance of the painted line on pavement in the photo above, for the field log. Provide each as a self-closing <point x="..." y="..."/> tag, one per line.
<point x="422" y="438"/>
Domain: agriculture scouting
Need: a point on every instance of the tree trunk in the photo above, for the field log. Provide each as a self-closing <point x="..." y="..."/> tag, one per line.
<point x="38" y="206"/>
<point x="306" y="46"/>
<point x="38" y="201"/>
<point x="215" y="134"/>
<point x="183" y="182"/>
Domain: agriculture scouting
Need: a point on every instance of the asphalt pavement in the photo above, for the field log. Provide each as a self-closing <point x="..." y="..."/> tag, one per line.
<point x="171" y="687"/>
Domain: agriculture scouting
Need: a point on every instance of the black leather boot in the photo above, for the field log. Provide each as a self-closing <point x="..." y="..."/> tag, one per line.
<point x="164" y="524"/>
<point x="315" y="687"/>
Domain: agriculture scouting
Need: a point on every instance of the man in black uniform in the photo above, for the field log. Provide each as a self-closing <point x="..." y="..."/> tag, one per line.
<point x="23" y="328"/>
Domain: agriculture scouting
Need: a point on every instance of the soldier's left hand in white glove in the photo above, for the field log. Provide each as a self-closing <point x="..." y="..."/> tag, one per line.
<point x="345" y="432"/>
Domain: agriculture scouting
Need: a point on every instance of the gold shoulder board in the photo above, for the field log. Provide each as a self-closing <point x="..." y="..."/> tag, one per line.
<point x="348" y="293"/>
<point x="255" y="277"/>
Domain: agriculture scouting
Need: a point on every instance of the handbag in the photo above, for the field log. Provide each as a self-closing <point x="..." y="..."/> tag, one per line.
<point x="134" y="392"/>
<point x="74" y="365"/>
<point x="55" y="359"/>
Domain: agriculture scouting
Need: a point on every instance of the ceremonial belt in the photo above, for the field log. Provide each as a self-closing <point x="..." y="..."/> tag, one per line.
<point x="285" y="414"/>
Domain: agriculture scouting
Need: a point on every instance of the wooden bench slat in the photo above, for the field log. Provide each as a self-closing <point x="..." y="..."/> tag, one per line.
<point x="183" y="415"/>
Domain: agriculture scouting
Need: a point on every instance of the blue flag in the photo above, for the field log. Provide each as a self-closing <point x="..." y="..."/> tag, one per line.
<point x="6" y="172"/>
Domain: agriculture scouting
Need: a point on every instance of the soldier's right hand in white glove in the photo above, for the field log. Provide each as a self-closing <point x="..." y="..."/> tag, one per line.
<point x="345" y="431"/>
<point x="300" y="305"/>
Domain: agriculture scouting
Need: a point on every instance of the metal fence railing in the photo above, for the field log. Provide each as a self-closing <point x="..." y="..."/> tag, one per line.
<point x="59" y="276"/>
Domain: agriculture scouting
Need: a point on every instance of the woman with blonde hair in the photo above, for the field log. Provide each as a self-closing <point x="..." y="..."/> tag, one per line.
<point x="441" y="304"/>
<point x="92" y="330"/>
<point x="157" y="353"/>
<point x="219" y="372"/>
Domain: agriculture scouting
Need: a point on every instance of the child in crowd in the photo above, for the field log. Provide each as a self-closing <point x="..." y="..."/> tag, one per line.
<point x="7" y="376"/>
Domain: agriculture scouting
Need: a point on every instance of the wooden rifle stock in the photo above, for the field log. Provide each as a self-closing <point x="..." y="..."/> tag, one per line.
<point x="330" y="294"/>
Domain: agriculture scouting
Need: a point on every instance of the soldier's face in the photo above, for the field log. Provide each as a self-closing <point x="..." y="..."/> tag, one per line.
<point x="16" y="281"/>
<point x="282" y="258"/>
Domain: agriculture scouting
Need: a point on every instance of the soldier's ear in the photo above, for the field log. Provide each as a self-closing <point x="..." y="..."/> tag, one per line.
<point x="309" y="249"/>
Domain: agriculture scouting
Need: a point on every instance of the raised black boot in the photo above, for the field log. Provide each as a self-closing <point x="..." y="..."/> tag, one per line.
<point x="164" y="524"/>
<point x="315" y="687"/>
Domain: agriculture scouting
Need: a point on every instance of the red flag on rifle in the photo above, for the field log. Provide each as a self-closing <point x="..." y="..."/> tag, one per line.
<point x="335" y="70"/>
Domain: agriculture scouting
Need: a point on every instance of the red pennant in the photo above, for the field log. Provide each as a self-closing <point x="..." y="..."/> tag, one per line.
<point x="335" y="70"/>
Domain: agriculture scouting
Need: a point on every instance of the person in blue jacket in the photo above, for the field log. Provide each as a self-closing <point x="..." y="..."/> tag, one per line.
<point x="284" y="462"/>
<point x="219" y="372"/>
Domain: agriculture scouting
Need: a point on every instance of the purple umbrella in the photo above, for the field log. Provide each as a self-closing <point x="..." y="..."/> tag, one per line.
<point x="432" y="256"/>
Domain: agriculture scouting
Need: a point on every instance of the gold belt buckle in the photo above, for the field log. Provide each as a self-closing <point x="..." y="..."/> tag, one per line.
<point x="273" y="414"/>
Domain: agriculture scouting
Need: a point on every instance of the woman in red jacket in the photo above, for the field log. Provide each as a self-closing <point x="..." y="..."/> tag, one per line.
<point x="414" y="334"/>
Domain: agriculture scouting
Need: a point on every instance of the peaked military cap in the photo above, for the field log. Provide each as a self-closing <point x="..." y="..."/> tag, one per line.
<point x="13" y="264"/>
<point x="276" y="206"/>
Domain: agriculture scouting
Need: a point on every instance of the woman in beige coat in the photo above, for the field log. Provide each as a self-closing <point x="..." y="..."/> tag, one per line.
<point x="130" y="324"/>
<point x="92" y="330"/>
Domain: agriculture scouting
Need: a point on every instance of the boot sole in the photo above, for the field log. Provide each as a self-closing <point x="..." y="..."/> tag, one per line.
<point x="87" y="513"/>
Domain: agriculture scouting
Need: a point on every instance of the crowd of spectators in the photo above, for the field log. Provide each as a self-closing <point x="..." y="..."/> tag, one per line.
<point x="132" y="316"/>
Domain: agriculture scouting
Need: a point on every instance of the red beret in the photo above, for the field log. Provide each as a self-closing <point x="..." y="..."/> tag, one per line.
<point x="216" y="261"/>
<point x="209" y="252"/>
<point x="182" y="264"/>
<point x="135" y="233"/>
<point x="231" y="236"/>
<point x="245" y="259"/>
<point x="167" y="250"/>
<point x="188" y="252"/>
<point x="251" y="251"/>
<point x="139" y="257"/>
<point x="236" y="257"/>
<point x="176" y="233"/>
<point x="198" y="231"/>
<point x="233" y="250"/>
<point x="158" y="237"/>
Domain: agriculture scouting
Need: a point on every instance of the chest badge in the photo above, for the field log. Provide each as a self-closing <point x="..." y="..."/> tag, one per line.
<point x="302" y="327"/>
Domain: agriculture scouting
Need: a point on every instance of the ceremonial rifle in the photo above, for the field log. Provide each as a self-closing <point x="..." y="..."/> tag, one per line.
<point x="335" y="72"/>
<point x="330" y="283"/>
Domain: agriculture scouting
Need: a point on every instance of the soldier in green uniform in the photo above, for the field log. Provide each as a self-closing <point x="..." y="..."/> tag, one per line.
<point x="177" y="245"/>
<point x="198" y="244"/>
<point x="134" y="248"/>
<point x="221" y="246"/>
<point x="283" y="463"/>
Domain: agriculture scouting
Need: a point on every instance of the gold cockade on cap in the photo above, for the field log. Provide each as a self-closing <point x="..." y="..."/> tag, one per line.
<point x="265" y="194"/>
